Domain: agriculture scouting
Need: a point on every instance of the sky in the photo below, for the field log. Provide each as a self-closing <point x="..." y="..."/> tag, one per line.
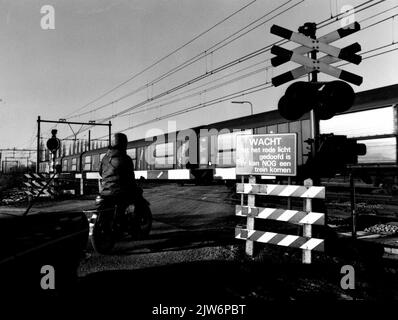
<point x="98" y="45"/>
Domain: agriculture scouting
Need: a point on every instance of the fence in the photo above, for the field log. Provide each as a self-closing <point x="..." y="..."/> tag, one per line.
<point x="36" y="182"/>
<point x="306" y="218"/>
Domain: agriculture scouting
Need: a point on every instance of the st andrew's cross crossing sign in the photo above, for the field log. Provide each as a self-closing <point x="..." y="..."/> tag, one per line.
<point x="333" y="54"/>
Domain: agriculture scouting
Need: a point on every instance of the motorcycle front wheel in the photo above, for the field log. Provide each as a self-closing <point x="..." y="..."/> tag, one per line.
<point x="103" y="238"/>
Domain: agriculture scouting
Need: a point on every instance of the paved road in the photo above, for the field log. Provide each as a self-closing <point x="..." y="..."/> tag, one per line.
<point x="185" y="218"/>
<point x="191" y="254"/>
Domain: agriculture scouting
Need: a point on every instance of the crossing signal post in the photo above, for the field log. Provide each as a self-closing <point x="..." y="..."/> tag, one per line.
<point x="323" y="100"/>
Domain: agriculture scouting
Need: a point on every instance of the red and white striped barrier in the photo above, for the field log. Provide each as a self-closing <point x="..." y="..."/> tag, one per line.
<point x="281" y="190"/>
<point x="305" y="218"/>
<point x="36" y="182"/>
<point x="304" y="243"/>
<point x="291" y="216"/>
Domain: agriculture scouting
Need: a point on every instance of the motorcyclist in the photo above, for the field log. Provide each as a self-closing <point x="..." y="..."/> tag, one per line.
<point x="118" y="181"/>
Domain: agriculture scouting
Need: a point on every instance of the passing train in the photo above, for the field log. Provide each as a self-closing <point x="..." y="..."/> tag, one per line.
<point x="208" y="151"/>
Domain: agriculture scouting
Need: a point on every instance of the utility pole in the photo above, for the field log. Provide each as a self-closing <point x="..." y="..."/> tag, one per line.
<point x="89" y="140"/>
<point x="63" y="121"/>
<point x="309" y="29"/>
<point x="38" y="145"/>
<point x="110" y="132"/>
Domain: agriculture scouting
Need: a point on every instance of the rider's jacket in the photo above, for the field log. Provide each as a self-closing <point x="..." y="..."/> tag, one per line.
<point x="117" y="172"/>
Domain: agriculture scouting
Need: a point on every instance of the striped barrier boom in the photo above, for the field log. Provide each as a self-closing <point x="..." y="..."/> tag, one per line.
<point x="281" y="190"/>
<point x="311" y="244"/>
<point x="291" y="216"/>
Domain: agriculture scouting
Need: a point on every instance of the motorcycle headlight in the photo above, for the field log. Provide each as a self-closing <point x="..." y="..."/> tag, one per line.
<point x="98" y="199"/>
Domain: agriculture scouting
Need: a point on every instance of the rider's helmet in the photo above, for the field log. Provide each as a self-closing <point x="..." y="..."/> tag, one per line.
<point x="119" y="141"/>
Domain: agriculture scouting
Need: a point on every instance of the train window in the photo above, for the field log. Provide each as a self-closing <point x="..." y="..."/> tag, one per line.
<point x="272" y="129"/>
<point x="140" y="159"/>
<point x="132" y="153"/>
<point x="226" y="158"/>
<point x="46" y="167"/>
<point x="283" y="128"/>
<point x="260" y="130"/>
<point x="95" y="162"/>
<point x="164" y="162"/>
<point x="102" y="155"/>
<point x="360" y="124"/>
<point x="74" y="164"/>
<point x="149" y="150"/>
<point x="164" y="155"/>
<point x="204" y="150"/>
<point x="379" y="150"/>
<point x="164" y="149"/>
<point x="87" y="163"/>
<point x="182" y="153"/>
<point x="65" y="165"/>
<point x="227" y="148"/>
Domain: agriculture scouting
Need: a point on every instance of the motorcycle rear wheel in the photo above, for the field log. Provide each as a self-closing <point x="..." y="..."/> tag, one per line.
<point x="140" y="224"/>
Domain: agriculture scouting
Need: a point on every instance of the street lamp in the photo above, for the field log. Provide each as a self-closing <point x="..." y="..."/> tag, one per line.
<point x="241" y="102"/>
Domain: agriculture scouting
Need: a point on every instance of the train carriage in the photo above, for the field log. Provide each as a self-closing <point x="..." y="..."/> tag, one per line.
<point x="211" y="149"/>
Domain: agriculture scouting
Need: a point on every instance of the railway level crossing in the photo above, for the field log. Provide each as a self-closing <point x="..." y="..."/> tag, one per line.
<point x="321" y="99"/>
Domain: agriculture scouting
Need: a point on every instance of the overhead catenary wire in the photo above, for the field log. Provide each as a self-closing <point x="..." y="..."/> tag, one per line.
<point x="203" y="91"/>
<point x="167" y="55"/>
<point x="197" y="57"/>
<point x="234" y="95"/>
<point x="175" y="99"/>
<point x="194" y="59"/>
<point x="244" y="92"/>
<point x="138" y="105"/>
<point x="358" y="8"/>
<point x="256" y="64"/>
<point x="179" y="87"/>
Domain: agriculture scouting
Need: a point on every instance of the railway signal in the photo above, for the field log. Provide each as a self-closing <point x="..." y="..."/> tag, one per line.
<point x="326" y="98"/>
<point x="333" y="155"/>
<point x="53" y="144"/>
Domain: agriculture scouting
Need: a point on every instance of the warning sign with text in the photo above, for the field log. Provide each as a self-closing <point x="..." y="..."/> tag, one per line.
<point x="267" y="154"/>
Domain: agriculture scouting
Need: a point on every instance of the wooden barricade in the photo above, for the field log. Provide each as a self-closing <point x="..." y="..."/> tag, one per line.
<point x="36" y="182"/>
<point x="306" y="218"/>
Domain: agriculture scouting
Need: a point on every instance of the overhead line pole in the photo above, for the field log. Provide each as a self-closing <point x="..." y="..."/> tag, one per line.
<point x="38" y="144"/>
<point x="62" y="121"/>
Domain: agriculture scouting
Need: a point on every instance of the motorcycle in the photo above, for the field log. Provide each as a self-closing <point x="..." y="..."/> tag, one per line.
<point x="112" y="219"/>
